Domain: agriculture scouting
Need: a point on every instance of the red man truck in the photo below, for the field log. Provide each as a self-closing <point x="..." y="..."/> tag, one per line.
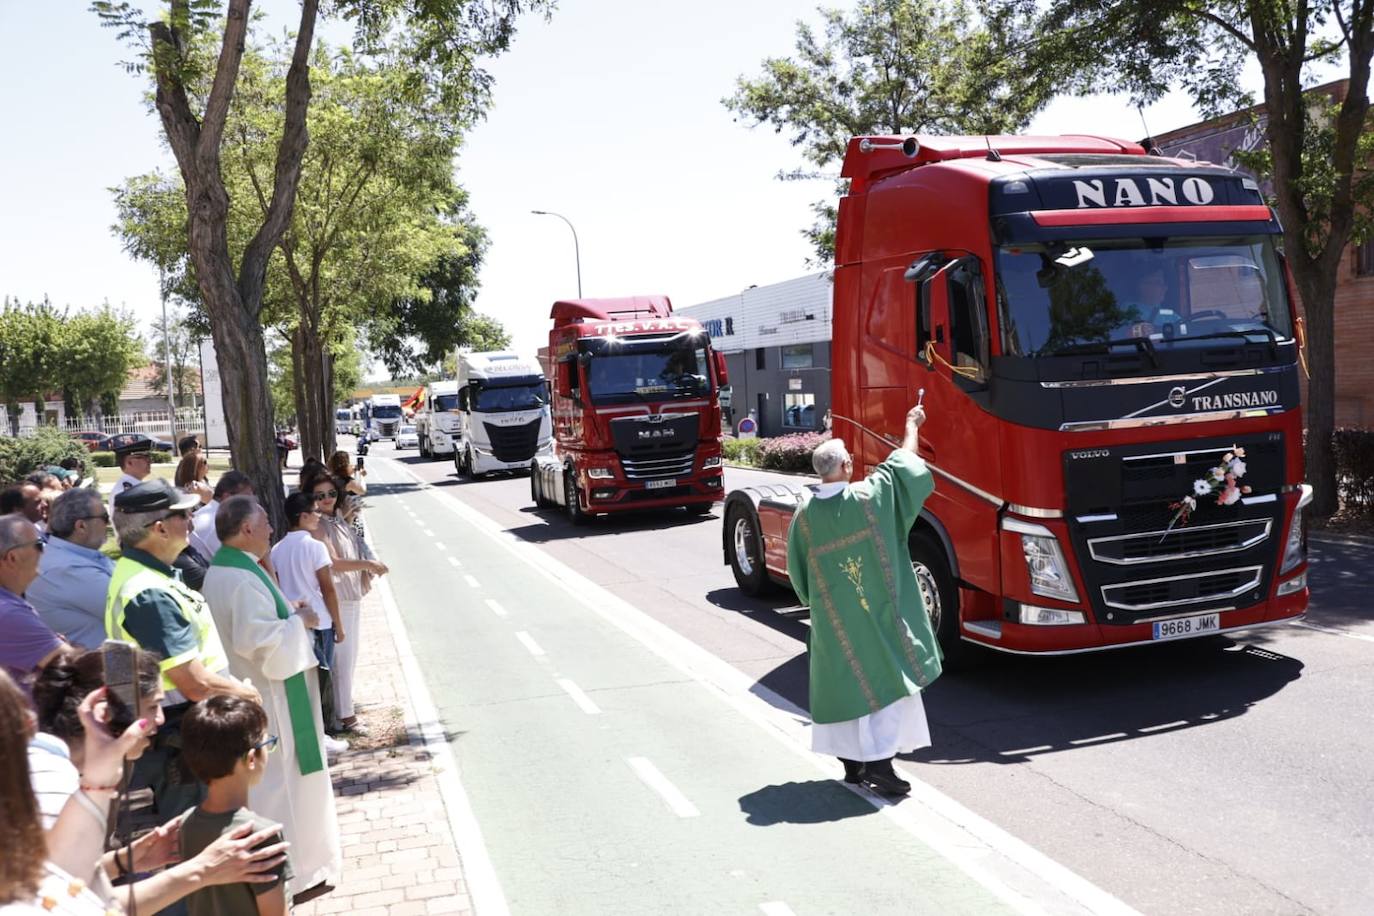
<point x="636" y="410"/>
<point x="1108" y="355"/>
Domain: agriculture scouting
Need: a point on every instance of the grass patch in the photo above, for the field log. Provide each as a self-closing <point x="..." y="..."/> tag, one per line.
<point x="218" y="465"/>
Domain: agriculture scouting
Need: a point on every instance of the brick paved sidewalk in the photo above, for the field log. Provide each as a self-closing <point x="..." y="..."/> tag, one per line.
<point x="399" y="855"/>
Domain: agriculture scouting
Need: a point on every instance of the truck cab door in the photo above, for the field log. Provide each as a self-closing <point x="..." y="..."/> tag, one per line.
<point x="952" y="349"/>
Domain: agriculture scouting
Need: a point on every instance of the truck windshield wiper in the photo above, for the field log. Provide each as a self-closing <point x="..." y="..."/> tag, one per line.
<point x="1265" y="331"/>
<point x="1143" y="344"/>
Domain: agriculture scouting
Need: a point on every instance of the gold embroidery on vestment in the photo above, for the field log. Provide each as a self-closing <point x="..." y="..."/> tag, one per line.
<point x="828" y="606"/>
<point x="904" y="634"/>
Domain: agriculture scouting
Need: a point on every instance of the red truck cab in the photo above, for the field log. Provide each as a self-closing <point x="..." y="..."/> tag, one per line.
<point x="1094" y="331"/>
<point x="636" y="410"/>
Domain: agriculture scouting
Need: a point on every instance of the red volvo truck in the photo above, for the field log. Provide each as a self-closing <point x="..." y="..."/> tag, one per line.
<point x="1096" y="331"/>
<point x="636" y="410"/>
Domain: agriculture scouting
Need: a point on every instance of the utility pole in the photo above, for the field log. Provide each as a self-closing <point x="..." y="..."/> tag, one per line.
<point x="577" y="251"/>
<point x="167" y="358"/>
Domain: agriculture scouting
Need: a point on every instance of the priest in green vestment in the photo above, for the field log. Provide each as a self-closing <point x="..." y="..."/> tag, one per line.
<point x="872" y="648"/>
<point x="269" y="642"/>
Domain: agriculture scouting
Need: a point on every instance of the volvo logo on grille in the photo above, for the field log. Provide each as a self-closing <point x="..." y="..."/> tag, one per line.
<point x="1090" y="453"/>
<point x="1178" y="396"/>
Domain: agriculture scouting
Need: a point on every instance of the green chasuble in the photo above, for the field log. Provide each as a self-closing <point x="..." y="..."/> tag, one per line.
<point x="871" y="642"/>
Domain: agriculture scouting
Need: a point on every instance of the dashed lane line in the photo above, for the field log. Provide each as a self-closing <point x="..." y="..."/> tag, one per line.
<point x="496" y="607"/>
<point x="471" y="580"/>
<point x="528" y="642"/>
<point x="454" y="561"/>
<point x="651" y="777"/>
<point x="776" y="908"/>
<point x="583" y="701"/>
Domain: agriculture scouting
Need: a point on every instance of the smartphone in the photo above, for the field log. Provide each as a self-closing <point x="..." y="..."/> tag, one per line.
<point x="121" y="681"/>
<point x="362" y="461"/>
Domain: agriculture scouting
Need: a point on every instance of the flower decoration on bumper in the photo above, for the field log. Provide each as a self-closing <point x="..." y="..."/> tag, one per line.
<point x="1221" y="482"/>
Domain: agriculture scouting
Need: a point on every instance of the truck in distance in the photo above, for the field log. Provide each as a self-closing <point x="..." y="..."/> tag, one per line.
<point x="636" y="410"/>
<point x="436" y="423"/>
<point x="1109" y="357"/>
<point x="383" y="416"/>
<point x="502" y="413"/>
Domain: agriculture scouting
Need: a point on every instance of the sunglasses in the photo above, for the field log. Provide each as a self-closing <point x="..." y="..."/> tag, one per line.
<point x="39" y="544"/>
<point x="267" y="745"/>
<point x="176" y="513"/>
<point x="325" y="494"/>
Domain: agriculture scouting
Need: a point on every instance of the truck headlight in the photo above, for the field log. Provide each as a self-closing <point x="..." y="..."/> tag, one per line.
<point x="1295" y="548"/>
<point x="711" y="462"/>
<point x="600" y="473"/>
<point x="1049" y="574"/>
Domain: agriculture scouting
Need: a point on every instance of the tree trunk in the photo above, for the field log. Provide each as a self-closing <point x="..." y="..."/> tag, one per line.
<point x="298" y="395"/>
<point x="305" y="353"/>
<point x="327" y="388"/>
<point x="1318" y="289"/>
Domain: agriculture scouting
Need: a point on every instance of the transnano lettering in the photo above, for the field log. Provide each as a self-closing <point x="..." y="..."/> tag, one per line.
<point x="1238" y="399"/>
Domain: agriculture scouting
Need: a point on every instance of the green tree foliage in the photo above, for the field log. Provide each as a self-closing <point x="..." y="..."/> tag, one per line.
<point x="20" y="456"/>
<point x="85" y="355"/>
<point x="1319" y="150"/>
<point x="893" y="67"/>
<point x="194" y="55"/>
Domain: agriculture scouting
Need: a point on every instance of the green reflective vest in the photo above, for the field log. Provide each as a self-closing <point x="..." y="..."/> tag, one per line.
<point x="131" y="579"/>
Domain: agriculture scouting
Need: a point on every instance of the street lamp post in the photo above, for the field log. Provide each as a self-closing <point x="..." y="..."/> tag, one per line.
<point x="167" y="358"/>
<point x="577" y="252"/>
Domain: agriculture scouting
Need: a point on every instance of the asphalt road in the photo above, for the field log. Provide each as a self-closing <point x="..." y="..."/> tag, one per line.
<point x="1211" y="777"/>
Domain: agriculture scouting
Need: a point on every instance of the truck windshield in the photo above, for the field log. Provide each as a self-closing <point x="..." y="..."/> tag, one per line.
<point x="445" y="402"/>
<point x="1166" y="291"/>
<point x="529" y="396"/>
<point x="386" y="412"/>
<point x="672" y="372"/>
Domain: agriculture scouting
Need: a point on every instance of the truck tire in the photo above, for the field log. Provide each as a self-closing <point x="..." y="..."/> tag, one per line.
<point x="574" y="506"/>
<point x="458" y="465"/>
<point x="536" y="491"/>
<point x="940" y="595"/>
<point x="744" y="542"/>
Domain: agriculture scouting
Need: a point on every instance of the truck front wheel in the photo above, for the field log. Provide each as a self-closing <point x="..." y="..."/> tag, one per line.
<point x="939" y="594"/>
<point x="746" y="550"/>
<point x="574" y="498"/>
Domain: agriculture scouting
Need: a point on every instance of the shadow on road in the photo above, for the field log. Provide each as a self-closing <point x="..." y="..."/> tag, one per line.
<point x="816" y="802"/>
<point x="1339" y="582"/>
<point x="555" y="526"/>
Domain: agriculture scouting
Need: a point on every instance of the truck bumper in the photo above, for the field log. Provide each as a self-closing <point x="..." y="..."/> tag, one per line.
<point x="483" y="462"/>
<point x="618" y="496"/>
<point x="1026" y="639"/>
<point x="440" y="443"/>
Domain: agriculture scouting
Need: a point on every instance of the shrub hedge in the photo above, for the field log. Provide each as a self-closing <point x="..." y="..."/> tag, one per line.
<point x="25" y="454"/>
<point x="1355" y="467"/>
<point x="740" y="451"/>
<point x="103" y="459"/>
<point x="788" y="453"/>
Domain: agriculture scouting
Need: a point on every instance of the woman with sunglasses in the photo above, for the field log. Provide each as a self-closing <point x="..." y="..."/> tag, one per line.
<point x="349" y="563"/>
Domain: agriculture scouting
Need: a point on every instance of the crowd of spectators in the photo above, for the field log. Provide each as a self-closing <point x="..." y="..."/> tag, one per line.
<point x="240" y="647"/>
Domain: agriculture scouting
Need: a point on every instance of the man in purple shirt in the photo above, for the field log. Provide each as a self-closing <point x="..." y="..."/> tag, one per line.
<point x="26" y="642"/>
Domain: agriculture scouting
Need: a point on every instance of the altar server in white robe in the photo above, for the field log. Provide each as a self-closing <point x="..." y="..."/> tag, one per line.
<point x="270" y="642"/>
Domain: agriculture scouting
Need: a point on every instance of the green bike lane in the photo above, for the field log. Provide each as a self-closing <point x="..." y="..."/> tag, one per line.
<point x="607" y="779"/>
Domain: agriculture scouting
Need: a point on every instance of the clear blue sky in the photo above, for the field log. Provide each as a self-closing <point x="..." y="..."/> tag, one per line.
<point x="609" y="114"/>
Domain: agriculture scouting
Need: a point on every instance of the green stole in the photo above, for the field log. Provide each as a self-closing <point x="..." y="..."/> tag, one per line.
<point x="307" y="740"/>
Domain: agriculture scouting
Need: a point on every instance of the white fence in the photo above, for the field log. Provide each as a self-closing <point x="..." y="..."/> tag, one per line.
<point x="189" y="421"/>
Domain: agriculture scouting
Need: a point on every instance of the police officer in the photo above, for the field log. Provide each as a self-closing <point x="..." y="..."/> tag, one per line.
<point x="148" y="604"/>
<point x="136" y="462"/>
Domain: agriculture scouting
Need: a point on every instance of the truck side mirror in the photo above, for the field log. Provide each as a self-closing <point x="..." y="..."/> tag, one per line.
<point x="722" y="373"/>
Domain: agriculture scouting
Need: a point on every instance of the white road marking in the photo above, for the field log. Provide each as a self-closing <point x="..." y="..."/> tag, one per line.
<point x="426" y="532"/>
<point x="423" y="718"/>
<point x="583" y="701"/>
<point x="471" y="580"/>
<point x="676" y="801"/>
<point x="1331" y="630"/>
<point x="776" y="908"/>
<point x="453" y="561"/>
<point x="528" y="642"/>
<point x="496" y="607"/>
<point x="1019" y="875"/>
<point x="441" y="545"/>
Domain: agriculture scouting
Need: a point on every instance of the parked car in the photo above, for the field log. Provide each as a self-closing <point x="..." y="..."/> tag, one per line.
<point x="120" y="440"/>
<point x="407" y="438"/>
<point x="90" y="438"/>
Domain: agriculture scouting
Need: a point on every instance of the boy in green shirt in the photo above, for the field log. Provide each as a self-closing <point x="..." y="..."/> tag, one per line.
<point x="225" y="744"/>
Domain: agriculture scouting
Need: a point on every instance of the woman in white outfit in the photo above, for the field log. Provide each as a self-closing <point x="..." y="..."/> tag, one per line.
<point x="349" y="566"/>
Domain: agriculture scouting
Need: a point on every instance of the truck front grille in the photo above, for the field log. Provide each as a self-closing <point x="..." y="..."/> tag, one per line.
<point x="513" y="443"/>
<point x="655" y="468"/>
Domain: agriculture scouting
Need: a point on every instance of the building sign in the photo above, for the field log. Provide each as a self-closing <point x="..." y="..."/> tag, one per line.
<point x="719" y="327"/>
<point x="216" y="430"/>
<point x="794" y="384"/>
<point x="792" y="316"/>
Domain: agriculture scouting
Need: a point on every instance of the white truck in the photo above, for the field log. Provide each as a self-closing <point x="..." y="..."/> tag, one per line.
<point x="437" y="423"/>
<point x="383" y="415"/>
<point x="503" y="413"/>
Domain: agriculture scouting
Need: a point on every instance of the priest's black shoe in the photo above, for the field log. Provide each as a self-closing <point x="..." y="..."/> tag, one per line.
<point x="879" y="775"/>
<point x="853" y="771"/>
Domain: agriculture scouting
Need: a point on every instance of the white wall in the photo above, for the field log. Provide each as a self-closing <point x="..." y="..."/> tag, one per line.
<point x="769" y="316"/>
